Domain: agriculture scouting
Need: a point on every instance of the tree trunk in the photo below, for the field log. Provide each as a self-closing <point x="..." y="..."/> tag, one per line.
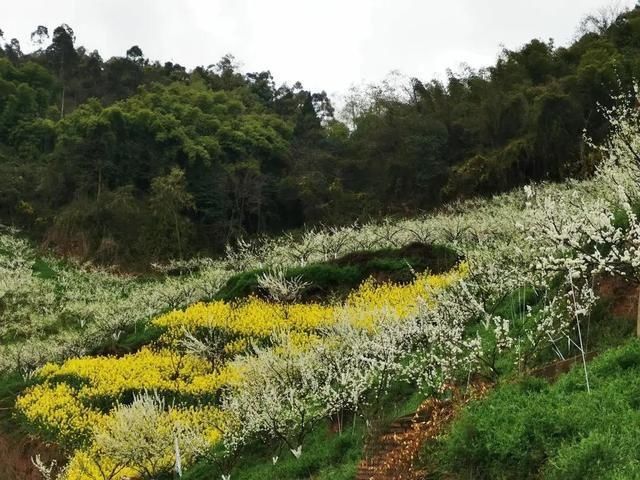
<point x="175" y="216"/>
<point x="62" y="104"/>
<point x="638" y="315"/>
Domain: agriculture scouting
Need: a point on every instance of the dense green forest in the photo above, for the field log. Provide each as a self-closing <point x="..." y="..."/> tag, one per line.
<point x="128" y="159"/>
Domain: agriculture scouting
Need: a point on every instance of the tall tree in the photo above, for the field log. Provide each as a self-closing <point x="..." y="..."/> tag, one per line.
<point x="169" y="199"/>
<point x="63" y="57"/>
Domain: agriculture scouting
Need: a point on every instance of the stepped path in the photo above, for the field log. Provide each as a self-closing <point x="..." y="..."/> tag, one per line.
<point x="393" y="452"/>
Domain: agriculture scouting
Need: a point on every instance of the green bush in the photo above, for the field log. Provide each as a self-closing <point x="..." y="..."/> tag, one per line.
<point x="531" y="429"/>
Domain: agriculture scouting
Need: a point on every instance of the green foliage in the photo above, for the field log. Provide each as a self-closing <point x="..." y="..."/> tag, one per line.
<point x="329" y="455"/>
<point x="122" y="162"/>
<point x="10" y="386"/>
<point x="324" y="277"/>
<point x="131" y="340"/>
<point x="338" y="277"/>
<point x="84" y="140"/>
<point x="43" y="269"/>
<point x="531" y="429"/>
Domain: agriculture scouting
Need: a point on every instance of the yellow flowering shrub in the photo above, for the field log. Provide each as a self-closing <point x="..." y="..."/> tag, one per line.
<point x="238" y="345"/>
<point x="162" y="370"/>
<point x="68" y="401"/>
<point x="57" y="411"/>
<point x="252" y="318"/>
<point x="258" y="318"/>
<point x="372" y="300"/>
<point x="119" y="451"/>
<point x="204" y="419"/>
<point x="89" y="464"/>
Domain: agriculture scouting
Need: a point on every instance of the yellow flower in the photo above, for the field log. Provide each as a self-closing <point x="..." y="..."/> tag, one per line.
<point x="257" y="318"/>
<point x="74" y="400"/>
<point x="57" y="410"/>
<point x="92" y="463"/>
<point x="66" y="403"/>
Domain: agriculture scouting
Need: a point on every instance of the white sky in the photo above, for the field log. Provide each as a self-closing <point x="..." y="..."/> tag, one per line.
<point x="326" y="44"/>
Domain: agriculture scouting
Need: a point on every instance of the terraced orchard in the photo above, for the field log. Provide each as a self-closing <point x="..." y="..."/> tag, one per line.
<point x="293" y="357"/>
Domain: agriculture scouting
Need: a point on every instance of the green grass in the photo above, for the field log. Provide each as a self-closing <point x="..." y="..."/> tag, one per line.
<point x="338" y="277"/>
<point x="11" y="385"/>
<point x="43" y="269"/>
<point x="326" y="455"/>
<point x="531" y="429"/>
<point x="132" y="340"/>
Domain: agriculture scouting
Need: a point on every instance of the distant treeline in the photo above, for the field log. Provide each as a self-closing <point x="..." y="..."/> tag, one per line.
<point x="129" y="160"/>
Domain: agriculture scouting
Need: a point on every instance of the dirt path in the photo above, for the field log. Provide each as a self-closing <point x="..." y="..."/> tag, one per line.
<point x="393" y="453"/>
<point x="395" y="450"/>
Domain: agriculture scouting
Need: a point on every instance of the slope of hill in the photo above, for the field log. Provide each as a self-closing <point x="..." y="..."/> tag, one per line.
<point x="149" y="377"/>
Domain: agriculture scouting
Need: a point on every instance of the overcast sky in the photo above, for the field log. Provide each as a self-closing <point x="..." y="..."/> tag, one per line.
<point x="326" y="44"/>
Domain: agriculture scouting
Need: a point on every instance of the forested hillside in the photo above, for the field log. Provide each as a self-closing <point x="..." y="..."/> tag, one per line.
<point x="289" y="356"/>
<point x="128" y="160"/>
<point x="451" y="294"/>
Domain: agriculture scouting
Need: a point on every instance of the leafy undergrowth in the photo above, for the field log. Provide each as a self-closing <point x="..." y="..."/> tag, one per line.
<point x="329" y="454"/>
<point x="336" y="278"/>
<point x="10" y="386"/>
<point x="531" y="429"/>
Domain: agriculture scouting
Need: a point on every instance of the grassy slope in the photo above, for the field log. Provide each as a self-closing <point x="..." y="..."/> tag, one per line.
<point x="329" y="455"/>
<point x="494" y="439"/>
<point x="531" y="429"/>
<point x="527" y="428"/>
<point x="332" y="456"/>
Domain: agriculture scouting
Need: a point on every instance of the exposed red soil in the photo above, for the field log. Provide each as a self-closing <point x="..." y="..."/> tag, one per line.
<point x="621" y="295"/>
<point x="15" y="457"/>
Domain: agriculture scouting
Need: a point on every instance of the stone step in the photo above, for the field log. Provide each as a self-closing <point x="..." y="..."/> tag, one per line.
<point x="388" y="440"/>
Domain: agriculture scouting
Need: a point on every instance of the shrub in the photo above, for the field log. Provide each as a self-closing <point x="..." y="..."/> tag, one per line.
<point x="338" y="277"/>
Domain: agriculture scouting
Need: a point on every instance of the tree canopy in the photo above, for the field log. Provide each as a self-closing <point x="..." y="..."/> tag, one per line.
<point x="131" y="159"/>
